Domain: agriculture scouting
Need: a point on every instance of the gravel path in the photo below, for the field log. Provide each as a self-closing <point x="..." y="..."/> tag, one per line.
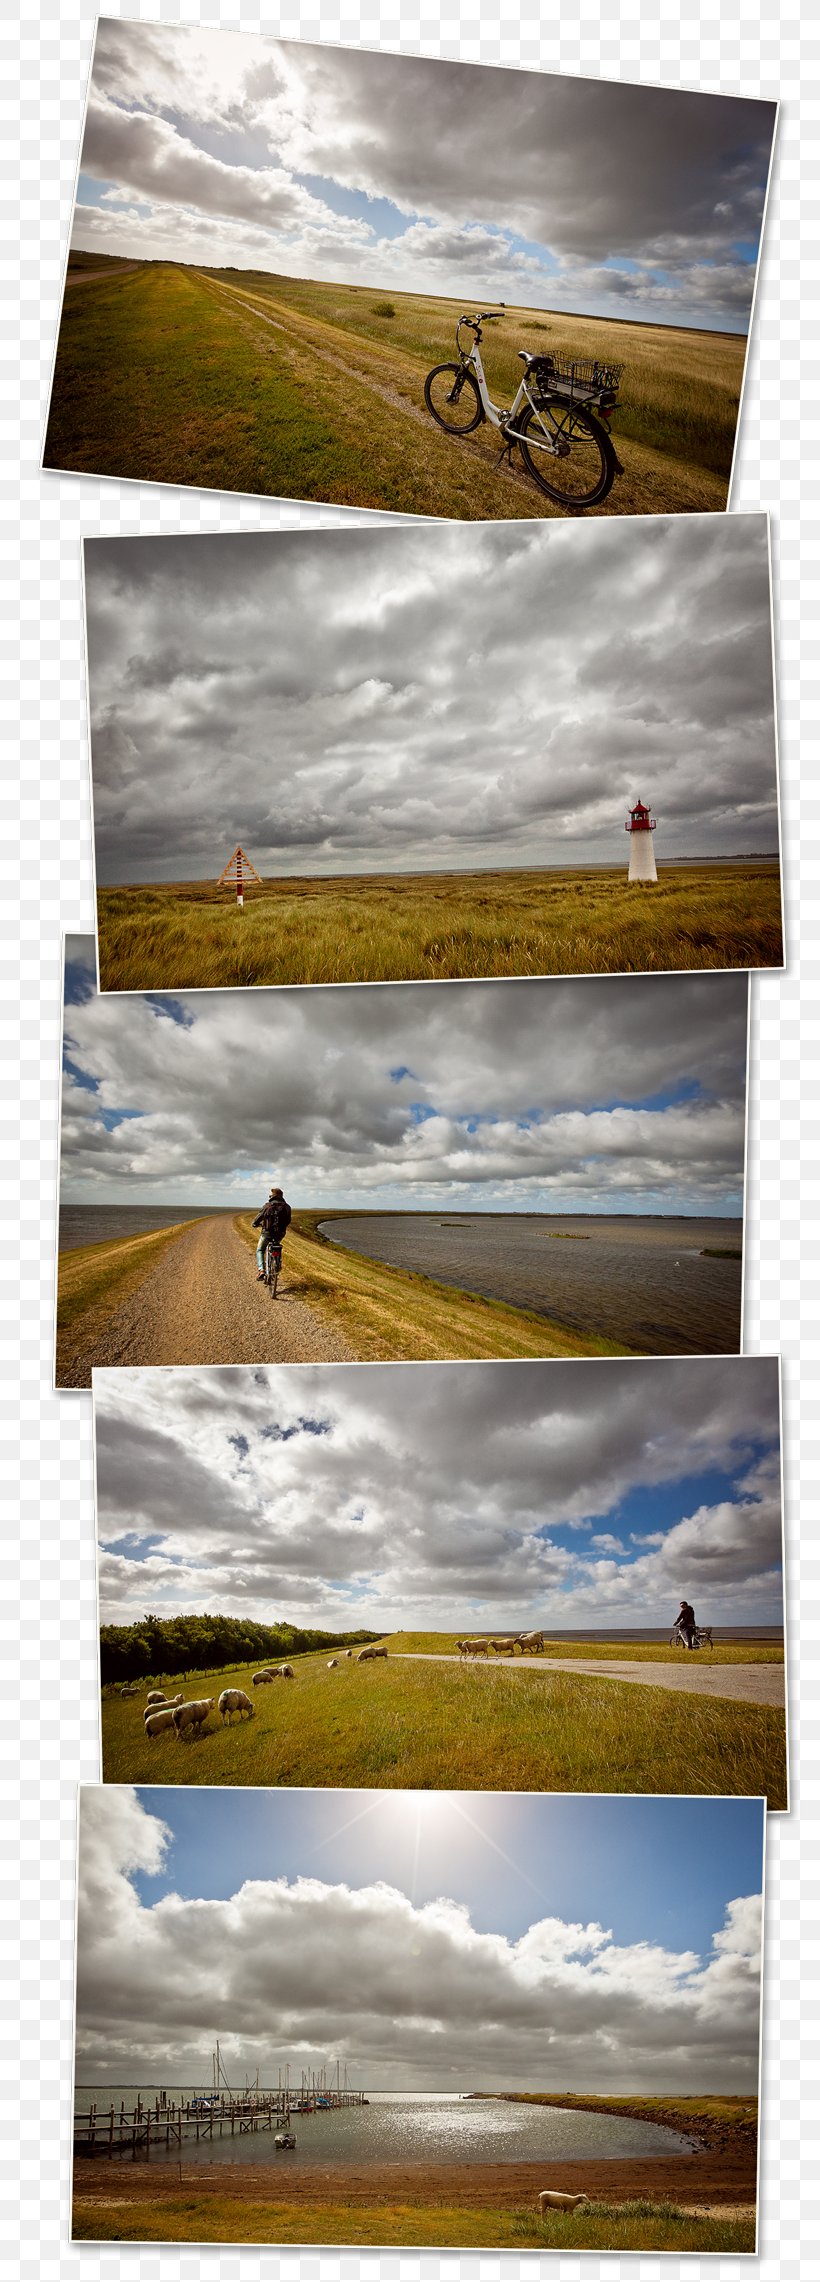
<point x="743" y="1683"/>
<point x="202" y="1304"/>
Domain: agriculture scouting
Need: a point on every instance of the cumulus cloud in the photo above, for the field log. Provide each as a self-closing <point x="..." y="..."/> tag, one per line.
<point x="390" y="1496"/>
<point x="402" y="1994"/>
<point x="620" y="191"/>
<point x="567" y="672"/>
<point x="608" y="1090"/>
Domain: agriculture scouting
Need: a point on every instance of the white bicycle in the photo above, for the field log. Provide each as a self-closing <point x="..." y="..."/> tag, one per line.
<point x="558" y="417"/>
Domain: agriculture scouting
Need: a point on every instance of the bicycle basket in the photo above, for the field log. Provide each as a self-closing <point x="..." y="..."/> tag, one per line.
<point x="583" y="376"/>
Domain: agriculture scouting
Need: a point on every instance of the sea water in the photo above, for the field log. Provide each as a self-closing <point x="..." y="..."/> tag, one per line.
<point x="651" y="1284"/>
<point x="419" y="2127"/>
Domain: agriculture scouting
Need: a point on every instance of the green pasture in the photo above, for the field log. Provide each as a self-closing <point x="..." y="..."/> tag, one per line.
<point x="422" y="1726"/>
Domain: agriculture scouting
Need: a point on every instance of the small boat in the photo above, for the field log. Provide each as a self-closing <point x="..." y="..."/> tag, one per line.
<point x="284" y="2139"/>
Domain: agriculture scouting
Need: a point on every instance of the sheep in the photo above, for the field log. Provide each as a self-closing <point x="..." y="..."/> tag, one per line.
<point x="160" y="1718"/>
<point x="505" y="1647"/>
<point x="333" y="1664"/>
<point x="234" y="1700"/>
<point x="348" y="1654"/>
<point x="551" y="2199"/>
<point x="168" y="1703"/>
<point x="130" y="1689"/>
<point x="156" y="1696"/>
<point x="476" y="1647"/>
<point x="263" y="1679"/>
<point x="192" y="1715"/>
<point x="283" y="1672"/>
<point x="366" y="1655"/>
<point x="531" y="1643"/>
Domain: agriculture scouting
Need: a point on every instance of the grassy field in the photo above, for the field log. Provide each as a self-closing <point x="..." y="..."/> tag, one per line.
<point x="397" y="1316"/>
<point x="194" y="2215"/>
<point x="243" y="381"/>
<point x="394" y="1725"/>
<point x="632" y="1651"/>
<point x="191" y="935"/>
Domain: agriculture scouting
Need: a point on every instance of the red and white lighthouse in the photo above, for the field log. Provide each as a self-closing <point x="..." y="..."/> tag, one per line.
<point x="641" y="850"/>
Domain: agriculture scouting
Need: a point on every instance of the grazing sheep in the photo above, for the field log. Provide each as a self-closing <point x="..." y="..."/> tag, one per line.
<point x="234" y="1700"/>
<point x="156" y="1696"/>
<point x="366" y="1655"/>
<point x="348" y="1653"/>
<point x="262" y="1679"/>
<point x="551" y="2199"/>
<point x="161" y="1717"/>
<point x="192" y="1715"/>
<point x="131" y="1688"/>
<point x="167" y="1703"/>
<point x="333" y="1664"/>
<point x="283" y="1672"/>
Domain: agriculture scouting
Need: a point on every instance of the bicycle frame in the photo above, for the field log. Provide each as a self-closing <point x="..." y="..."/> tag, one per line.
<point x="505" y="419"/>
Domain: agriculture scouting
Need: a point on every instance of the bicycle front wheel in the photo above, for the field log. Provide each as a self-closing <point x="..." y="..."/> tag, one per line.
<point x="567" y="452"/>
<point x="451" y="394"/>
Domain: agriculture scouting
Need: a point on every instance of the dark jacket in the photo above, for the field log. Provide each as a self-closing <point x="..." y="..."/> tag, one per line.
<point x="686" y="1617"/>
<point x="274" y="1218"/>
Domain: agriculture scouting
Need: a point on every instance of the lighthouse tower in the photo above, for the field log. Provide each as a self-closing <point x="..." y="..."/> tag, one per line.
<point x="641" y="851"/>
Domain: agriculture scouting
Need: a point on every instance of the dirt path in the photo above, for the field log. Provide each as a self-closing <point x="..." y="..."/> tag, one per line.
<point x="83" y="276"/>
<point x="742" y="1683"/>
<point x="202" y="1304"/>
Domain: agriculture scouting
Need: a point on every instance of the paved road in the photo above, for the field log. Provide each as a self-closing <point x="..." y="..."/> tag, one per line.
<point x="202" y="1304"/>
<point x="690" y="1676"/>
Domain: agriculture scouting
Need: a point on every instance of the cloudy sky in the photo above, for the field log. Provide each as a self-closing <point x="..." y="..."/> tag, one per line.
<point x="428" y="1943"/>
<point x="610" y="1094"/>
<point x="433" y="698"/>
<point x="208" y="146"/>
<point x="475" y="1495"/>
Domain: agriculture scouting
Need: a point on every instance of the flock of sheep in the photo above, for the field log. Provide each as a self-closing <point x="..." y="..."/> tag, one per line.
<point x="188" y="1719"/>
<point x="530" y="1644"/>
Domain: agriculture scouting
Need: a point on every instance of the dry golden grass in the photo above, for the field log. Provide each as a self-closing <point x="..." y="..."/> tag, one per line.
<point x="381" y="928"/>
<point x="195" y="2215"/>
<point x="245" y="382"/>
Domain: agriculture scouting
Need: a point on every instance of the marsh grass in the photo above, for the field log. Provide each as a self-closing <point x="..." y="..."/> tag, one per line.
<point x="243" y="381"/>
<point x="378" y="928"/>
<point x="200" y="2217"/>
<point x="397" y="1725"/>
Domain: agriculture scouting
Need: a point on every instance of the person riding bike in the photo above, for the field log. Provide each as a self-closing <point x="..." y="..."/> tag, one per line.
<point x="274" y="1221"/>
<point x="685" y="1622"/>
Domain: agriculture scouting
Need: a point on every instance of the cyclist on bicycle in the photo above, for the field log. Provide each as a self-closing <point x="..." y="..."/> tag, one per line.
<point x="685" y="1622"/>
<point x="274" y="1221"/>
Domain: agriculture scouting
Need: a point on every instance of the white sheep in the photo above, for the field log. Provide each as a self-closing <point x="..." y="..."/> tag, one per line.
<point x="531" y="1643"/>
<point x="366" y="1655"/>
<point x="476" y="1647"/>
<point x="263" y="1679"/>
<point x="192" y="1715"/>
<point x="234" y="1700"/>
<point x="505" y="1647"/>
<point x="333" y="1664"/>
<point x="162" y="1716"/>
<point x="551" y="2199"/>
<point x="283" y="1672"/>
<point x="167" y="1703"/>
<point x="348" y="1653"/>
<point x="156" y="1696"/>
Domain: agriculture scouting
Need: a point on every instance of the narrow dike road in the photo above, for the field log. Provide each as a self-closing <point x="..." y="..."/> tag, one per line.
<point x="741" y="1683"/>
<point x="202" y="1304"/>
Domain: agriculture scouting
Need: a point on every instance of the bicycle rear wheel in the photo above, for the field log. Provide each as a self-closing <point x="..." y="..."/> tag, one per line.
<point x="582" y="470"/>
<point x="451" y="394"/>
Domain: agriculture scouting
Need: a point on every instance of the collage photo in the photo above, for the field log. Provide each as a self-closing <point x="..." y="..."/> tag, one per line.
<point x="407" y="1205"/>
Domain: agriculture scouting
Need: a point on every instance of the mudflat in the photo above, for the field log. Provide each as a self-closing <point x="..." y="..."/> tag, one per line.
<point x="725" y="2180"/>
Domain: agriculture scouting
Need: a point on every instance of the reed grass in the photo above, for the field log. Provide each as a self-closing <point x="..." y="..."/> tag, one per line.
<point x="377" y="928"/>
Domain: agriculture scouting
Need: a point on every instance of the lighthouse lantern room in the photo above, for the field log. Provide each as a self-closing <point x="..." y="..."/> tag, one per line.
<point x="641" y="850"/>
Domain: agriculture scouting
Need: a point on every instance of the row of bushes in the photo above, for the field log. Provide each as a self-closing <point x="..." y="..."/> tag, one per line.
<point x="182" y="1644"/>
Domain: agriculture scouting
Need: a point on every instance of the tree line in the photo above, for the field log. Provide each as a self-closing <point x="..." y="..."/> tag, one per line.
<point x="181" y="1644"/>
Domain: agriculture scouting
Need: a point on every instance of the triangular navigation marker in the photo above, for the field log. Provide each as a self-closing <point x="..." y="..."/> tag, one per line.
<point x="237" y="871"/>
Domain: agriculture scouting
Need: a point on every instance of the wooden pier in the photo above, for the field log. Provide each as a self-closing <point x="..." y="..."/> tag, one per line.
<point x="166" y="2123"/>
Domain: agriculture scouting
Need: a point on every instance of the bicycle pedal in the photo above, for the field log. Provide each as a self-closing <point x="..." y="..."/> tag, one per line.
<point x="505" y="453"/>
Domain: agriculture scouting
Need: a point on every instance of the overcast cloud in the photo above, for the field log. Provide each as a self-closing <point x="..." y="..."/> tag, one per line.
<point x="473" y="1495"/>
<point x="431" y="698"/>
<point x="212" y="147"/>
<point x="405" y="1996"/>
<point x="613" y="1093"/>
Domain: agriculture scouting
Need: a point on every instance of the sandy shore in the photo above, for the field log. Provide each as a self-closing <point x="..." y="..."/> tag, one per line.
<point x="705" y="2181"/>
